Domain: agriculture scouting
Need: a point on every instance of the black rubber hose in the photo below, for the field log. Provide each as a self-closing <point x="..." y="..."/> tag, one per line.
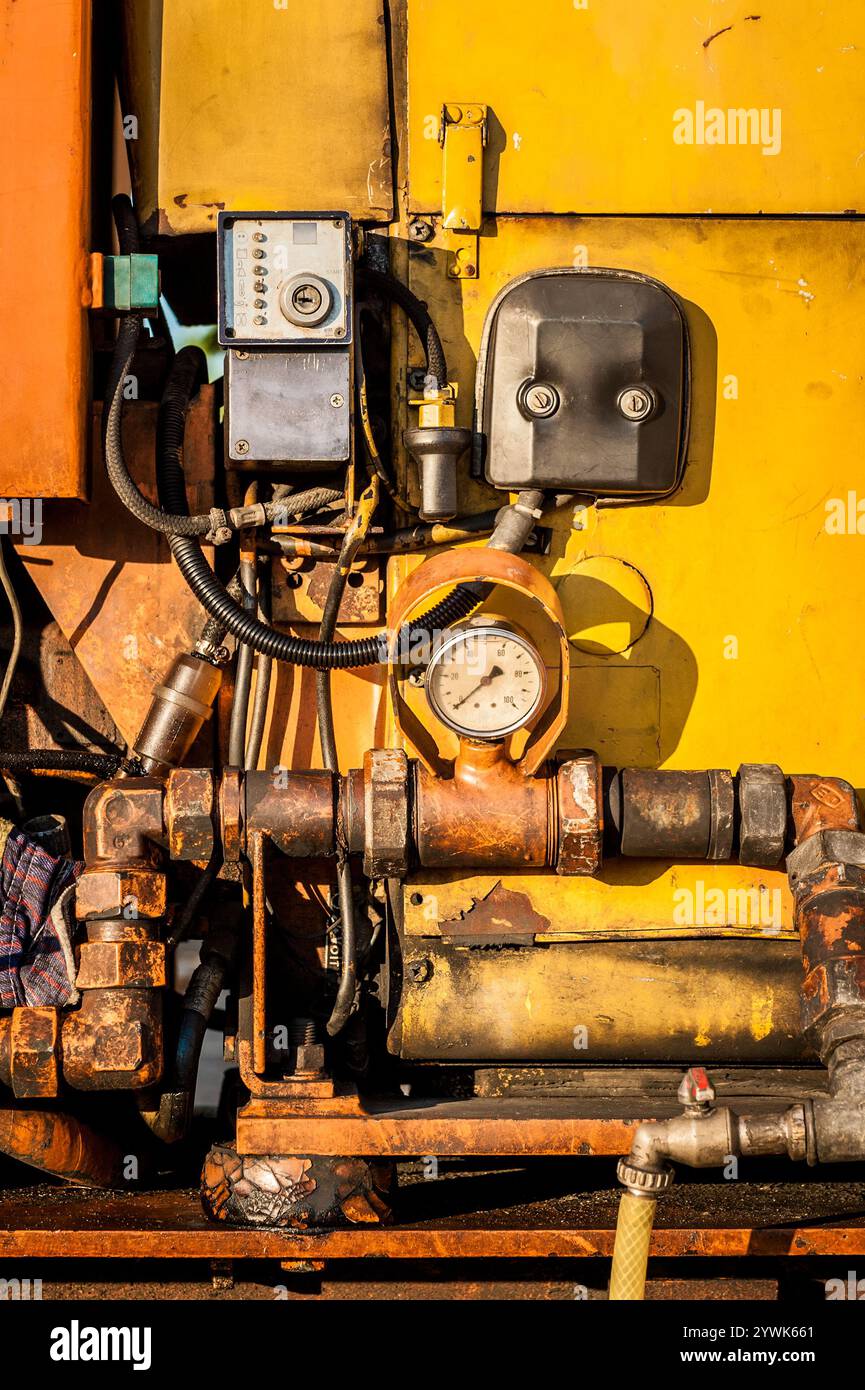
<point x="242" y="674"/>
<point x="128" y="335"/>
<point x="102" y="765"/>
<point x="115" y="463"/>
<point x="126" y="222"/>
<point x="297" y="651"/>
<point x="212" y="595"/>
<point x="390" y="288"/>
<point x="246" y="627"/>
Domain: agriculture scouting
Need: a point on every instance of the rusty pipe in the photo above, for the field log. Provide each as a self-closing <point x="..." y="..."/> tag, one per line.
<point x="295" y="810"/>
<point x="487" y="813"/>
<point x="61" y="1144"/>
<point x="826" y="871"/>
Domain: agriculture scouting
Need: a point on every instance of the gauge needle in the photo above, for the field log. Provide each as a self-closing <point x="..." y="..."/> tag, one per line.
<point x="485" y="680"/>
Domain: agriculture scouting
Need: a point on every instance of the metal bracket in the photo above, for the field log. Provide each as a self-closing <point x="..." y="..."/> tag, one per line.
<point x="463" y="135"/>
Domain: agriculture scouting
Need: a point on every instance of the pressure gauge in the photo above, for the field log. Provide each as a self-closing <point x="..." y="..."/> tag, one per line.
<point x="485" y="681"/>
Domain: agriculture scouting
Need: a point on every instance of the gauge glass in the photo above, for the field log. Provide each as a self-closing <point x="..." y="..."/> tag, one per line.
<point x="485" y="682"/>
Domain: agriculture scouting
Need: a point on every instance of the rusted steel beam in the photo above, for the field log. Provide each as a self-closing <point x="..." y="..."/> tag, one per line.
<point x="262" y="1129"/>
<point x="172" y="1226"/>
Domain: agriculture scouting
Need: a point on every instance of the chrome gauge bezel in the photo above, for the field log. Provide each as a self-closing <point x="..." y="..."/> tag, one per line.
<point x="495" y="631"/>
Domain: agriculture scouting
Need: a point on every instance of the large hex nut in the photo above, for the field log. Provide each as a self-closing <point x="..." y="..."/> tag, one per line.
<point x="386" y="813"/>
<point x="121" y="965"/>
<point x="581" y="825"/>
<point x="190" y="812"/>
<point x="114" y="892"/>
<point x="762" y="814"/>
<point x="34" y="1053"/>
<point x="113" y="1041"/>
<point x="825" y="852"/>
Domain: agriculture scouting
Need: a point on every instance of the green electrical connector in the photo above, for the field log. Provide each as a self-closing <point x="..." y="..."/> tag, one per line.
<point x="130" y="282"/>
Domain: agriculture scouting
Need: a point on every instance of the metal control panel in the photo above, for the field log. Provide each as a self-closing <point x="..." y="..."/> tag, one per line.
<point x="285" y="314"/>
<point x="288" y="407"/>
<point x="284" y="279"/>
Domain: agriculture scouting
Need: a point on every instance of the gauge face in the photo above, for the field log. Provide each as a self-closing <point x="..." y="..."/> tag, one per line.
<point x="485" y="682"/>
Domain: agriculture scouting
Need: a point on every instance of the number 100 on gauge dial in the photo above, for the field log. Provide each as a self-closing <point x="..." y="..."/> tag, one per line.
<point x="485" y="682"/>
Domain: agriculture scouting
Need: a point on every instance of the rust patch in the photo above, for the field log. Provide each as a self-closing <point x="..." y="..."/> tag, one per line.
<point x="300" y="592"/>
<point x="500" y="916"/>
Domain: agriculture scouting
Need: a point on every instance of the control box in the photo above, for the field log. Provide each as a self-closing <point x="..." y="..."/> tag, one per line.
<point x="286" y="315"/>
<point x="284" y="279"/>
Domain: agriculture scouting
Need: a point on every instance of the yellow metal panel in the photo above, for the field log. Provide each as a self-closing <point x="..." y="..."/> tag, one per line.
<point x="628" y="899"/>
<point x="757" y="597"/>
<point x="266" y="106"/>
<point x="611" y="107"/>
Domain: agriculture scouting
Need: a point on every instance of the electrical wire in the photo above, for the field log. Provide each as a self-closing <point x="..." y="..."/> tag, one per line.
<point x="17" y="630"/>
<point x="346" y="998"/>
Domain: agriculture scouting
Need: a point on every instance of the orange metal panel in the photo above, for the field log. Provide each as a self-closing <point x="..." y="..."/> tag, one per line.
<point x="44" y="234"/>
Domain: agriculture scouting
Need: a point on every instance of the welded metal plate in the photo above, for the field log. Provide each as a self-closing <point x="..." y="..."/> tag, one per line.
<point x="288" y="407"/>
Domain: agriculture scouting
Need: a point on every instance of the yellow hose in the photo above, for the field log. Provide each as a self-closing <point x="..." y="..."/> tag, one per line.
<point x="631" y="1250"/>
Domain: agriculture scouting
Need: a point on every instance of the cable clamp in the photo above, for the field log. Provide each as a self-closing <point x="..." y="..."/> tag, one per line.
<point x="534" y="512"/>
<point x="220" y="527"/>
<point x="253" y="515"/>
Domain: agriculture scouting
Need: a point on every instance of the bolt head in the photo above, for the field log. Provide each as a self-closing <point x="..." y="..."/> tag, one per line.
<point x="538" y="399"/>
<point x="337" y="400"/>
<point x="637" y="403"/>
<point x="419" y="230"/>
<point x="241" y="446"/>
